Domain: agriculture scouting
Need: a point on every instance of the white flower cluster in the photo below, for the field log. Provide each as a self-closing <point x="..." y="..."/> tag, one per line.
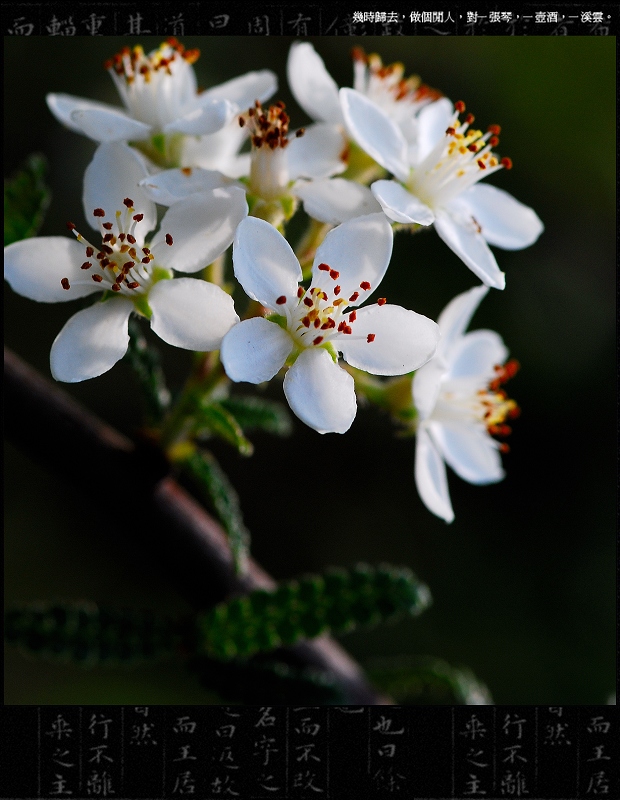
<point x="407" y="157"/>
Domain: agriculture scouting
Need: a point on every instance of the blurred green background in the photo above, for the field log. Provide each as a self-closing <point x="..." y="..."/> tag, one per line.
<point x="523" y="580"/>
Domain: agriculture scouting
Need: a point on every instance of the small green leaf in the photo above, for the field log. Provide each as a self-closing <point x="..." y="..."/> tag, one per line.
<point x="255" y="412"/>
<point x="337" y="601"/>
<point x="26" y="199"/>
<point x="144" y="361"/>
<point x="214" y="418"/>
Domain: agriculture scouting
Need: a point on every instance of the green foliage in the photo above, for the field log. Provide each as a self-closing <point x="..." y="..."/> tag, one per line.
<point x="422" y="680"/>
<point x="215" y="418"/>
<point x="337" y="601"/>
<point x="85" y="634"/>
<point x="212" y="483"/>
<point x="26" y="198"/>
<point x="256" y="412"/>
<point x="144" y="361"/>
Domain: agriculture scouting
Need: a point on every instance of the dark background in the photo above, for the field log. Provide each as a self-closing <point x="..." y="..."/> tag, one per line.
<point x="523" y="580"/>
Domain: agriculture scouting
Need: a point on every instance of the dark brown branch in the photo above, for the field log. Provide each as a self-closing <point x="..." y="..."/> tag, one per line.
<point x="176" y="532"/>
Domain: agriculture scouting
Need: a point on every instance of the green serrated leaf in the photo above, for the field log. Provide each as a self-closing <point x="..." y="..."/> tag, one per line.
<point x="145" y="363"/>
<point x="85" y="634"/>
<point x="26" y="199"/>
<point x="338" y="601"/>
<point x="216" y="419"/>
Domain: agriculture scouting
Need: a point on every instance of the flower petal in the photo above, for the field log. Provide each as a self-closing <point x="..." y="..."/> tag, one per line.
<point x="202" y="226"/>
<point x="311" y="84"/>
<point x="245" y="89"/>
<point x="433" y="120"/>
<point x="403" y="340"/>
<point x="112" y="176"/>
<point x="63" y="105"/>
<point x="255" y="350"/>
<point x="471" y="247"/>
<point x="320" y="392"/>
<point x="400" y="205"/>
<point x="505" y="222"/>
<point x="457" y="315"/>
<point x="335" y="200"/>
<point x="191" y="313"/>
<point x="218" y="151"/>
<point x="318" y="153"/>
<point x="470" y="451"/>
<point x="172" y="185"/>
<point x="264" y="263"/>
<point x="92" y="341"/>
<point x="476" y="354"/>
<point x="426" y="385"/>
<point x="208" y="118"/>
<point x="109" y="125"/>
<point x="375" y="132"/>
<point x="360" y="251"/>
<point x="430" y="476"/>
<point x="35" y="268"/>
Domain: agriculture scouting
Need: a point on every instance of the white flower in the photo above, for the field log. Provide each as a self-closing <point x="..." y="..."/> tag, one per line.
<point x="185" y="312"/>
<point x="439" y="185"/>
<point x="460" y="405"/>
<point x="310" y="326"/>
<point x="161" y="96"/>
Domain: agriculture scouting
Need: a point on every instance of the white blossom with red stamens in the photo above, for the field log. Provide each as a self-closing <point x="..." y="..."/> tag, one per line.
<point x="308" y="327"/>
<point x="461" y="406"/>
<point x="184" y="312"/>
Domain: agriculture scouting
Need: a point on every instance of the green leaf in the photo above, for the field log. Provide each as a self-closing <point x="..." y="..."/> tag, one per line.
<point x="212" y="483"/>
<point x="85" y="634"/>
<point x="337" y="601"/>
<point x="144" y="360"/>
<point x="422" y="680"/>
<point x="255" y="412"/>
<point x="216" y="419"/>
<point x="26" y="199"/>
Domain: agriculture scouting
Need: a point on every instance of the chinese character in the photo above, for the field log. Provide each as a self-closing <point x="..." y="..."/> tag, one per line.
<point x="540" y="16"/>
<point x="357" y="16"/>
<point x="306" y="752"/>
<point x="55" y="28"/>
<point x="219" y="21"/>
<point x="135" y="25"/>
<point x="59" y="785"/>
<point x="472" y="17"/>
<point x="597" y="16"/>
<point x="266" y="720"/>
<point x="598" y="754"/>
<point x="299" y="25"/>
<point x="264" y="744"/>
<point x="556" y="735"/>
<point x="384" y="725"/>
<point x="93" y="23"/>
<point x="471" y="755"/>
<point x="58" y="755"/>
<point x="142" y="734"/>
<point x="226" y="758"/>
<point x="100" y="784"/>
<point x="184" y="784"/>
<point x="516" y="721"/>
<point x="513" y="785"/>
<point x="259" y="25"/>
<point x="103" y="721"/>
<point x="60" y="728"/>
<point x="597" y="725"/>
<point x="473" y="785"/>
<point x="494" y="16"/>
<point x="178" y="25"/>
<point x="387" y="750"/>
<point x="99" y="754"/>
<point x="226" y="731"/>
<point x="310" y="729"/>
<point x="474" y="728"/>
<point x="219" y="786"/>
<point x="513" y="755"/>
<point x="599" y="784"/>
<point x="184" y="749"/>
<point x="184" y="725"/>
<point x="21" y="28"/>
<point x="387" y="779"/>
<point x="307" y="776"/>
<point x="586" y="16"/>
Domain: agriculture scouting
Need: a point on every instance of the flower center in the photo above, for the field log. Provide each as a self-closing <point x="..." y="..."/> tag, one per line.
<point x="386" y="85"/>
<point x="120" y="264"/>
<point x="459" y="160"/>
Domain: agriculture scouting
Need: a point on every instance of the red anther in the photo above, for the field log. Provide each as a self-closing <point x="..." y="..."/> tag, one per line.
<point x="100" y="256"/>
<point x="133" y="285"/>
<point x="97" y="278"/>
<point x="308" y="302"/>
<point x="347" y="329"/>
<point x="354" y="297"/>
<point x="336" y="290"/>
<point x="306" y="322"/>
<point x="353" y="316"/>
<point x="281" y="300"/>
<point x="342" y="326"/>
<point x="257" y="141"/>
<point x="131" y="239"/>
<point x="334" y="275"/>
<point x="120" y="278"/>
<point x="494" y="141"/>
<point x="365" y="286"/>
<point x="127" y="266"/>
<point x="318" y="340"/>
<point x="146" y="251"/>
<point x="128" y="202"/>
<point x="122" y="236"/>
<point x="317" y="323"/>
<point x="108" y="237"/>
<point x="241" y="122"/>
<point x="107" y="226"/>
<point x="98" y="212"/>
<point x="450" y="131"/>
<point x="299" y="132"/>
<point x="473" y="148"/>
<point x="370" y="337"/>
<point x="89" y="252"/>
<point x="138" y="217"/>
<point x="511" y="368"/>
<point x="381" y="301"/>
<point x="300" y="292"/>
<point x="513" y="413"/>
<point x="106" y="249"/>
<point x="469" y="119"/>
<point x="506" y="162"/>
<point x="146" y="260"/>
<point x="65" y="283"/>
<point x="324" y="267"/>
<point x="86" y="265"/>
<point x="169" y="240"/>
<point x="70" y="226"/>
<point x="496" y="129"/>
<point x="357" y="54"/>
<point x="116" y="287"/>
<point x="481" y="164"/>
<point x="459" y="106"/>
<point x="504" y="448"/>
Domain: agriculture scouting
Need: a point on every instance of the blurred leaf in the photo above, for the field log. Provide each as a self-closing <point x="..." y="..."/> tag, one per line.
<point x="144" y="360"/>
<point x="85" y="634"/>
<point x="255" y="412"/>
<point x="337" y="601"/>
<point x="215" y="418"/>
<point x="26" y="198"/>
<point x="422" y="680"/>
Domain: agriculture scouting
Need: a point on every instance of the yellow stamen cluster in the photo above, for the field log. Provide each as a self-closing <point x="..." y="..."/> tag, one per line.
<point x="391" y="77"/>
<point x="131" y="62"/>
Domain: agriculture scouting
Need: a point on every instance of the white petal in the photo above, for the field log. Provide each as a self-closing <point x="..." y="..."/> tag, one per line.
<point x="35" y="267"/>
<point x="218" y="151"/>
<point x="505" y="222"/>
<point x="335" y="200"/>
<point x="430" y="476"/>
<point x="264" y="263"/>
<point x="470" y="451"/>
<point x="191" y="313"/>
<point x="320" y="393"/>
<point x="109" y="125"/>
<point x="475" y="354"/>
<point x="245" y="89"/>
<point x="172" y="185"/>
<point x="111" y="177"/>
<point x="63" y="105"/>
<point x="403" y="340"/>
<point x="92" y="341"/>
<point x="375" y="132"/>
<point x="471" y="247"/>
<point x="400" y="205"/>
<point x="255" y="350"/>
<point x="202" y="226"/>
<point x="360" y="251"/>
<point x="456" y="316"/>
<point x="318" y="153"/>
<point x="209" y="118"/>
<point x="311" y="84"/>
<point x="433" y="120"/>
<point x="426" y="385"/>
